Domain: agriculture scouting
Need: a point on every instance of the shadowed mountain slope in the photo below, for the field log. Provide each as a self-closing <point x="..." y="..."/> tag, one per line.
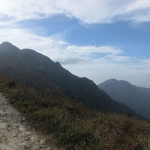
<point x="36" y="70"/>
<point x="137" y="98"/>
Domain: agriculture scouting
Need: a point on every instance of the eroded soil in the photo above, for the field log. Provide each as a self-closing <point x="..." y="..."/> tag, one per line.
<point x="15" y="134"/>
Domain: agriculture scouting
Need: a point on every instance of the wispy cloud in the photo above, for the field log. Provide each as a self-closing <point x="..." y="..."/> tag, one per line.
<point x="60" y="50"/>
<point x="110" y="53"/>
<point x="91" y="11"/>
<point x="24" y="38"/>
<point x="69" y="60"/>
<point x="146" y="61"/>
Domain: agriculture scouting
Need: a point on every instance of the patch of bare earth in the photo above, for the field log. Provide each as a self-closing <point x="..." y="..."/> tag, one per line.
<point x="15" y="134"/>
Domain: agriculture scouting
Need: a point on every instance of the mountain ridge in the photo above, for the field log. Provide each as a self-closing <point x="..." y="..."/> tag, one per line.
<point x="32" y="68"/>
<point x="137" y="98"/>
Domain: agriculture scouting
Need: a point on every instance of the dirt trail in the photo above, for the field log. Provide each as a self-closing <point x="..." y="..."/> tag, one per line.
<point x="14" y="132"/>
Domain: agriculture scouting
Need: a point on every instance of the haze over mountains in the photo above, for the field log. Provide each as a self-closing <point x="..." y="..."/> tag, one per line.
<point x="36" y="70"/>
<point x="137" y="98"/>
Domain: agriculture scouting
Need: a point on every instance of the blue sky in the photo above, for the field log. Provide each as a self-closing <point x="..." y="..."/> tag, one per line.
<point x="98" y="39"/>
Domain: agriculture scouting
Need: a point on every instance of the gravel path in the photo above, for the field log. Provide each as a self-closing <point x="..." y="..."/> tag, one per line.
<point x="14" y="133"/>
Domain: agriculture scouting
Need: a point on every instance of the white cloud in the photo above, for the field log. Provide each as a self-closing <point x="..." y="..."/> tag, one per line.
<point x="24" y="38"/>
<point x="69" y="60"/>
<point x="80" y="54"/>
<point x="59" y="50"/>
<point x="146" y="61"/>
<point x="89" y="49"/>
<point x="77" y="59"/>
<point x="87" y="11"/>
<point x="119" y="58"/>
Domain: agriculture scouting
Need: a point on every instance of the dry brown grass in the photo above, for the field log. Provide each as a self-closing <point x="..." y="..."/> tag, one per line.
<point x="74" y="126"/>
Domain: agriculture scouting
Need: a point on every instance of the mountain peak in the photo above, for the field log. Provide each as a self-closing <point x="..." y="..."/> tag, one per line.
<point x="137" y="98"/>
<point x="115" y="81"/>
<point x="6" y="43"/>
<point x="9" y="50"/>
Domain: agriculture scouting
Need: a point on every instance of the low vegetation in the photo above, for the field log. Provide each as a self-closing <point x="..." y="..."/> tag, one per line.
<point x="74" y="126"/>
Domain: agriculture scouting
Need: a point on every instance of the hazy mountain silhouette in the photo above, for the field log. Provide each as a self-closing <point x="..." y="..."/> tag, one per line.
<point x="137" y="98"/>
<point x="36" y="70"/>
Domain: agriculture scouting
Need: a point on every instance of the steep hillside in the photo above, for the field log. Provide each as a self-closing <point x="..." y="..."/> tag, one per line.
<point x="137" y="98"/>
<point x="36" y="70"/>
<point x="70" y="125"/>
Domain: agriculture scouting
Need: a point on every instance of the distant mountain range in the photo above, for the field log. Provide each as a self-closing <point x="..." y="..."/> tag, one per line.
<point x="137" y="98"/>
<point x="33" y="69"/>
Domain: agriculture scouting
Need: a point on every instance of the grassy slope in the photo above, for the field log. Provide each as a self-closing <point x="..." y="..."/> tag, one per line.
<point x="74" y="126"/>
